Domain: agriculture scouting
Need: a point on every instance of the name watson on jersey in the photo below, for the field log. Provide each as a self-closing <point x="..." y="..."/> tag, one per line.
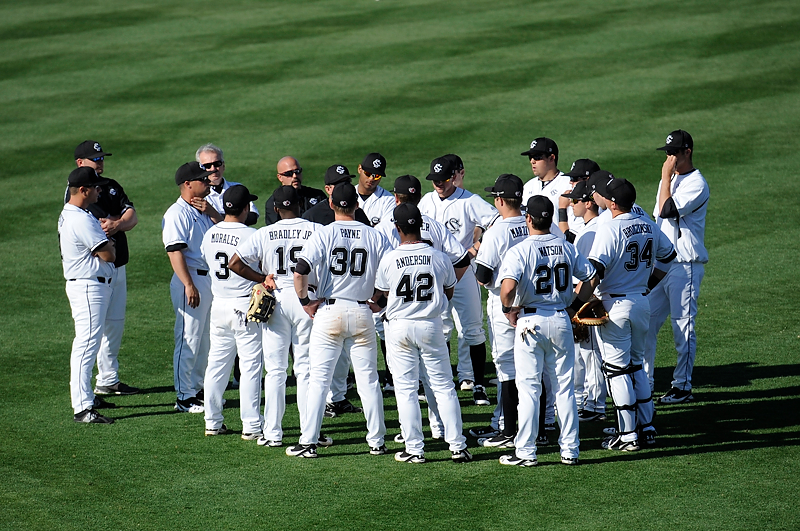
<point x="289" y="234"/>
<point x="639" y="228"/>
<point x="551" y="250"/>
<point x="416" y="259"/>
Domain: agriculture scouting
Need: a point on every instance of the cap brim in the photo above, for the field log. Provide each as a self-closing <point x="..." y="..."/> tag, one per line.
<point x="253" y="197"/>
<point x="341" y="179"/>
<point x="532" y="151"/>
<point x="489" y="189"/>
<point x="434" y="177"/>
<point x="663" y="148"/>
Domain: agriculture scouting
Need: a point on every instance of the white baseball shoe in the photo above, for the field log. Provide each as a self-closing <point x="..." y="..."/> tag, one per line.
<point x="405" y="457"/>
<point x="513" y="460"/>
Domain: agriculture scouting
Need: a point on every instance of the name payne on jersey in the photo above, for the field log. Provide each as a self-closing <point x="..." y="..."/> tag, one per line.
<point x="640" y="228"/>
<point x="417" y="259"/>
<point x="350" y="233"/>
<point x="221" y="237"/>
<point x="289" y="234"/>
<point x="551" y="250"/>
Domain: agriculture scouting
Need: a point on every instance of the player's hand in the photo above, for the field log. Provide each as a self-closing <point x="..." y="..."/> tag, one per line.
<point x="200" y="204"/>
<point x="668" y="169"/>
<point x="563" y="202"/>
<point x="513" y="316"/>
<point x="374" y="307"/>
<point x="192" y="295"/>
<point x="109" y="226"/>
<point x="269" y="283"/>
<point x="311" y="307"/>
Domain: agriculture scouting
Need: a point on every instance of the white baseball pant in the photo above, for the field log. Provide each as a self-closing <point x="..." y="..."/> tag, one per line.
<point x="466" y="309"/>
<point x="594" y="386"/>
<point x="191" y="335"/>
<point x="107" y="357"/>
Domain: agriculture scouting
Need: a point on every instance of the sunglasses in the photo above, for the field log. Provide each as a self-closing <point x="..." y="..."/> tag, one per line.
<point x="373" y="176"/>
<point x="98" y="159"/>
<point x="537" y="156"/>
<point x="291" y="173"/>
<point x="440" y="182"/>
<point x="216" y="164"/>
<point x="672" y="152"/>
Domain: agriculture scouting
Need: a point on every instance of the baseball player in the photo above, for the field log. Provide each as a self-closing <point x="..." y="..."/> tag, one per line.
<point x="624" y="253"/>
<point x="117" y="216"/>
<point x="461" y="212"/>
<point x="497" y="240"/>
<point x="291" y="174"/>
<point x="535" y="289"/>
<point x="346" y="254"/>
<point x="87" y="256"/>
<point x="230" y="332"/>
<point x="548" y="180"/>
<point x="277" y="247"/>
<point x="210" y="158"/>
<point x="417" y="278"/>
<point x="680" y="212"/>
<point x="183" y="228"/>
<point x="569" y="222"/>
<point x="375" y="201"/>
<point x="590" y="385"/>
<point x="322" y="212"/>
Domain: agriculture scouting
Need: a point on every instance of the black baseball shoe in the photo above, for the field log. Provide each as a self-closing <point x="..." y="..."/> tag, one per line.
<point x="479" y="396"/>
<point x="513" y="460"/>
<point x="90" y="416"/>
<point x="498" y="441"/>
<point x="569" y="461"/>
<point x="329" y="412"/>
<point x="99" y="403"/>
<point x="251" y="436"/>
<point x="343" y="406"/>
<point x="377" y="450"/>
<point x="484" y="432"/>
<point x="263" y="441"/>
<point x="461" y="456"/>
<point x="324" y="440"/>
<point x="615" y="442"/>
<point x="589" y="416"/>
<point x="190" y="405"/>
<point x="405" y="457"/>
<point x="309" y="451"/>
<point x="676" y="396"/>
<point x="222" y="430"/>
<point x="118" y="388"/>
<point x="467" y="385"/>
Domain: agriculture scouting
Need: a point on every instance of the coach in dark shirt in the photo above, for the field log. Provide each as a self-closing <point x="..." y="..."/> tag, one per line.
<point x="322" y="212"/>
<point x="291" y="174"/>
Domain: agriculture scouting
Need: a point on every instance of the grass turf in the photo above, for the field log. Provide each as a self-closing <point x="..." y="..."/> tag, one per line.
<point x="328" y="82"/>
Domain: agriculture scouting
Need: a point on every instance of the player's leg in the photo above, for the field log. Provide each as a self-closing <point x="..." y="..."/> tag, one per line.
<point x="251" y="365"/>
<point x="221" y="353"/>
<point x="458" y="311"/>
<point x="301" y="334"/>
<point x="529" y="363"/>
<point x="434" y="417"/>
<point x="659" y="310"/>
<point x="501" y="334"/>
<point x="277" y="336"/>
<point x="640" y="321"/>
<point x="107" y="357"/>
<point x="563" y="356"/>
<point x="684" y="289"/>
<point x="595" y="381"/>
<point x="616" y="344"/>
<point x="203" y="312"/>
<point x="580" y="378"/>
<point x="187" y="341"/>
<point x="89" y="304"/>
<point x="404" y="359"/>
<point x="338" y="388"/>
<point x="363" y="349"/>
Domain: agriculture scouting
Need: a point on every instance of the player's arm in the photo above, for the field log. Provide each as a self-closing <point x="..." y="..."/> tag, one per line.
<point x="667" y="171"/>
<point x="106" y="252"/>
<point x="378" y="300"/>
<point x="238" y="266"/>
<point x="508" y="292"/>
<point x="206" y="208"/>
<point x="448" y="292"/>
<point x="301" y="271"/>
<point x="126" y="222"/>
<point x="178" y="263"/>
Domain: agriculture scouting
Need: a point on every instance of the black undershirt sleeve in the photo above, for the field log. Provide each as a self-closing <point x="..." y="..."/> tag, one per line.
<point x="464" y="262"/>
<point x="484" y="274"/>
<point x="176" y="247"/>
<point x="669" y="210"/>
<point x="302" y="267"/>
<point x="601" y="269"/>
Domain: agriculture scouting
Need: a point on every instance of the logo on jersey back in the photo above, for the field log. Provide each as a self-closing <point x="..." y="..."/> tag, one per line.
<point x="453" y="225"/>
<point x="340" y="170"/>
<point x="376" y="163"/>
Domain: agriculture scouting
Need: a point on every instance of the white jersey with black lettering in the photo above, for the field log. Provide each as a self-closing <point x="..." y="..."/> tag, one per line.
<point x="214" y="198"/>
<point x="690" y="194"/>
<point x="543" y="267"/>
<point x="183" y="223"/>
<point x="551" y="189"/>
<point x="460" y="213"/>
<point x="430" y="231"/>
<point x="277" y="248"/>
<point x="80" y="235"/>
<point x="346" y="256"/>
<point x="378" y="206"/>
<point x="415" y="275"/>
<point x="628" y="246"/>
<point x="218" y="247"/>
<point x="497" y="240"/>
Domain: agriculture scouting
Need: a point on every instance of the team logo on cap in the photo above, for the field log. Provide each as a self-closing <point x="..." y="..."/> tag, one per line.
<point x="412" y="221"/>
<point x="343" y="203"/>
<point x="340" y="170"/>
<point x="517" y="193"/>
<point x="376" y="163"/>
<point x="669" y="139"/>
<point x="287" y="203"/>
<point x="313" y="201"/>
<point x="97" y="147"/>
<point x="229" y="204"/>
<point x="437" y="168"/>
<point x="113" y="191"/>
<point x="412" y="190"/>
<point x="533" y="144"/>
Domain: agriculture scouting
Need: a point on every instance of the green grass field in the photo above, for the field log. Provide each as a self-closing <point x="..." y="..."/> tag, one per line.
<point x="329" y="81"/>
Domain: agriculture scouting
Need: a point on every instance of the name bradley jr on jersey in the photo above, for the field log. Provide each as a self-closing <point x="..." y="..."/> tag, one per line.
<point x="289" y="234"/>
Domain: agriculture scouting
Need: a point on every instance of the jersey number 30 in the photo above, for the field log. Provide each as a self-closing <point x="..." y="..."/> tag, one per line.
<point x="423" y="292"/>
<point x="356" y="265"/>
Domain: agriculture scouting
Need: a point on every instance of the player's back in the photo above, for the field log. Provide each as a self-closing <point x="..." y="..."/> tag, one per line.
<point x="218" y="247"/>
<point x="497" y="240"/>
<point x="280" y="245"/>
<point x="431" y="232"/>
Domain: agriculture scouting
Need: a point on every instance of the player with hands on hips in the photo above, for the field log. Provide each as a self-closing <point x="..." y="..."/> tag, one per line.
<point x="680" y="212"/>
<point x="87" y="257"/>
<point x="345" y="255"/>
<point x="183" y="228"/>
<point x="535" y="290"/>
<point x="416" y="280"/>
<point x="624" y="252"/>
<point x="277" y="247"/>
<point x="230" y="331"/>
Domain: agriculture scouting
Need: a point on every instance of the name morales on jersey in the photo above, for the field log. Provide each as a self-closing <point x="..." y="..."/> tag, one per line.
<point x="639" y="228"/>
<point x="351" y="233"/>
<point x="289" y="234"/>
<point x="416" y="259"/>
<point x="518" y="232"/>
<point x="221" y="237"/>
<point x="551" y="250"/>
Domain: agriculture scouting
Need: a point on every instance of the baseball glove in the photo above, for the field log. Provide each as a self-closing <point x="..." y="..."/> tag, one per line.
<point x="262" y="304"/>
<point x="580" y="332"/>
<point x="591" y="313"/>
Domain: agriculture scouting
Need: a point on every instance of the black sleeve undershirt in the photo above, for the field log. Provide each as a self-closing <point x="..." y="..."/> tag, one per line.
<point x="302" y="267"/>
<point x="484" y="274"/>
<point x="176" y="247"/>
<point x="601" y="269"/>
<point x="669" y="210"/>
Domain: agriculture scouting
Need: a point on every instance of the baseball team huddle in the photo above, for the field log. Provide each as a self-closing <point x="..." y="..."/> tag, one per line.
<point x="357" y="266"/>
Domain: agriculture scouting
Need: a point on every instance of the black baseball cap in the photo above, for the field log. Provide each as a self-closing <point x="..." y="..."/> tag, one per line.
<point x="458" y="164"/>
<point x="374" y="163"/>
<point x="344" y="195"/>
<point x="191" y="171"/>
<point x="85" y="176"/>
<point x="622" y="192"/>
<point x="285" y="197"/>
<point x="236" y="198"/>
<point x="408" y="185"/>
<point x="407" y="215"/>
<point x="89" y="149"/>
<point x="442" y="169"/>
<point x="597" y="182"/>
<point x="543" y="145"/>
<point x="338" y="173"/>
<point x="539" y="207"/>
<point x="582" y="169"/>
<point x="507" y="186"/>
<point x="580" y="191"/>
<point x="676" y="140"/>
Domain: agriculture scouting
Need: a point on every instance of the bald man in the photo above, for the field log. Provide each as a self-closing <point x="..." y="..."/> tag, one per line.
<point x="291" y="174"/>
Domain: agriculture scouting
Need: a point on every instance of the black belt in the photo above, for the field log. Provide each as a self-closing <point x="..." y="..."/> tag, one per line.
<point x="333" y="301"/>
<point x="102" y="280"/>
<point x="620" y="296"/>
<point x="528" y="311"/>
<point x="202" y="272"/>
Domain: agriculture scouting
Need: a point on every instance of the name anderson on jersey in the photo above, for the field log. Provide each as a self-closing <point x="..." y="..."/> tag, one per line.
<point x="551" y="250"/>
<point x="639" y="228"/>
<point x="289" y="234"/>
<point x="417" y="259"/>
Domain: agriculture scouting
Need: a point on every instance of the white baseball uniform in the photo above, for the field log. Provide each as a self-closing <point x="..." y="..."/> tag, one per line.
<point x="543" y="267"/>
<point x="214" y="197"/>
<point x="676" y="295"/>
<point x="230" y="332"/>
<point x="346" y="256"/>
<point x="378" y="206"/>
<point x="415" y="276"/>
<point x="628" y="246"/>
<point x="89" y="292"/>
<point x="184" y="225"/>
<point x="552" y="190"/>
<point x="460" y="213"/>
<point x="277" y="247"/>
